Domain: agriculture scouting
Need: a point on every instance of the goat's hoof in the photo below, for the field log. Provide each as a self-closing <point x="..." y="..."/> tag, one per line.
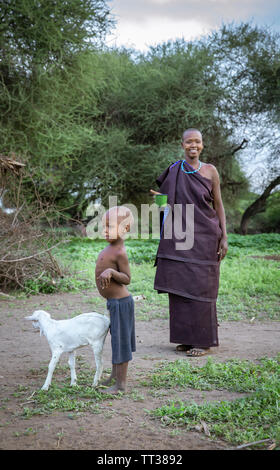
<point x="45" y="388"/>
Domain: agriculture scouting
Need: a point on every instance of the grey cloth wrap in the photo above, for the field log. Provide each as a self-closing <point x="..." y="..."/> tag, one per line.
<point x="122" y="328"/>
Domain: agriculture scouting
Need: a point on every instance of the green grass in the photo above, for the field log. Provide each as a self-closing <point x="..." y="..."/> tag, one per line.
<point x="234" y="375"/>
<point x="249" y="286"/>
<point x="62" y="397"/>
<point x="247" y="419"/>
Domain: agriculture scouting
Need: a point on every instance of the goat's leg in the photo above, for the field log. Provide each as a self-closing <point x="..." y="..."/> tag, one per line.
<point x="98" y="350"/>
<point x="54" y="360"/>
<point x="71" y="363"/>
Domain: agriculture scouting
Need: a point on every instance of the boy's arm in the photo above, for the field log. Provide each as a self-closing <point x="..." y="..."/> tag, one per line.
<point x="121" y="277"/>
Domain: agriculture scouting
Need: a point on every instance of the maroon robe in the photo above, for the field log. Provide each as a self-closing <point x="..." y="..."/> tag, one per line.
<point x="191" y="276"/>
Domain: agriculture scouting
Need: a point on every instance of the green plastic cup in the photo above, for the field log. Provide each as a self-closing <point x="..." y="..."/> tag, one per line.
<point x="161" y="200"/>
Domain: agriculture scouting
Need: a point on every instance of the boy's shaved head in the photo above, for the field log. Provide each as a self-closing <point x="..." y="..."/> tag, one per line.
<point x="191" y="129"/>
<point x="117" y="221"/>
<point x="122" y="213"/>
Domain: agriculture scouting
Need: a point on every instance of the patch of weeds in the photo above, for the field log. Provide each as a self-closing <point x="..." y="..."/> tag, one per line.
<point x="252" y="418"/>
<point x="48" y="285"/>
<point x="234" y="375"/>
<point x="29" y="431"/>
<point x="21" y="390"/>
<point x="71" y="399"/>
<point x="63" y="397"/>
<point x="246" y="419"/>
<point x="136" y="395"/>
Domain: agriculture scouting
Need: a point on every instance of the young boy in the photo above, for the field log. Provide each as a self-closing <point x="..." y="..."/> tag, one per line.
<point x="112" y="275"/>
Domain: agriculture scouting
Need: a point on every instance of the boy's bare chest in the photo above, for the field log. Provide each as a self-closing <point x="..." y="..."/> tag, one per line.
<point x="105" y="260"/>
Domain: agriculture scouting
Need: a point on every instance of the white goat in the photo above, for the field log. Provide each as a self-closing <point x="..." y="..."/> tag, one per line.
<point x="68" y="335"/>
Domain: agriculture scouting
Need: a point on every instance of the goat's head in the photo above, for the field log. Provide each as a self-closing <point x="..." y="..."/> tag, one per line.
<point x="37" y="317"/>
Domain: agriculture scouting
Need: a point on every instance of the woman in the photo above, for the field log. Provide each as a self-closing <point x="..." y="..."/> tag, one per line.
<point x="191" y="276"/>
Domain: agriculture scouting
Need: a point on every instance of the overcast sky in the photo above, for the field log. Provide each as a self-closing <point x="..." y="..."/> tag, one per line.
<point x="141" y="23"/>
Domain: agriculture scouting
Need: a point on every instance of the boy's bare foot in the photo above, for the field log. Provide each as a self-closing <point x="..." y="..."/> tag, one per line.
<point x="112" y="376"/>
<point x="108" y="381"/>
<point x="114" y="390"/>
<point x="119" y="372"/>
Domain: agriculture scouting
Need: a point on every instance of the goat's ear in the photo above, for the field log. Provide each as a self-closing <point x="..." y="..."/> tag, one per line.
<point x="29" y="318"/>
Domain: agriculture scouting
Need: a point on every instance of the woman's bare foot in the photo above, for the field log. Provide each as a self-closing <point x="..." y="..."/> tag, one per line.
<point x="183" y="347"/>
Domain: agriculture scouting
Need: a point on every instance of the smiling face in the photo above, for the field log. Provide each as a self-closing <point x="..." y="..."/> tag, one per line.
<point x="192" y="144"/>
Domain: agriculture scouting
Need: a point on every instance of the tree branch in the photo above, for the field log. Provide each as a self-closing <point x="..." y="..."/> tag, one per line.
<point x="257" y="206"/>
<point x="32" y="256"/>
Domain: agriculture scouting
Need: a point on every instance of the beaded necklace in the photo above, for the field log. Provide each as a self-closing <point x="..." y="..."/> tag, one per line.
<point x="188" y="172"/>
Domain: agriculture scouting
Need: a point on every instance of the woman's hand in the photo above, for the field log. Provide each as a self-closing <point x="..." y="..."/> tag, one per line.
<point x="105" y="278"/>
<point x="223" y="248"/>
<point x="154" y="192"/>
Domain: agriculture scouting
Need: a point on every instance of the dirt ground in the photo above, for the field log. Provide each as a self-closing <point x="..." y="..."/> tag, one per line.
<point x="123" y="423"/>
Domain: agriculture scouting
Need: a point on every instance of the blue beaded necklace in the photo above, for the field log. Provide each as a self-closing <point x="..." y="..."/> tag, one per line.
<point x="188" y="172"/>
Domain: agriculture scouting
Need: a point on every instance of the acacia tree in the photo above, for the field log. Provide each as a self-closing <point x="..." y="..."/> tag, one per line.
<point x="91" y="121"/>
<point x="46" y="32"/>
<point x="107" y="123"/>
<point x="250" y="59"/>
<point x="153" y="99"/>
<point x="47" y="93"/>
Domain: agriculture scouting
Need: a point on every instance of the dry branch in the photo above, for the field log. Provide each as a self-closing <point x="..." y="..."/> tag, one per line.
<point x="33" y="256"/>
<point x="26" y="256"/>
<point x="10" y="164"/>
<point x="25" y="247"/>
